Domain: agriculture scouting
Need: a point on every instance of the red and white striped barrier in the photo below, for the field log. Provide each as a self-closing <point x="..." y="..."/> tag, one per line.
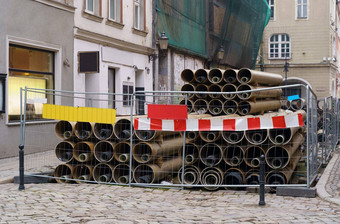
<point x="235" y="124"/>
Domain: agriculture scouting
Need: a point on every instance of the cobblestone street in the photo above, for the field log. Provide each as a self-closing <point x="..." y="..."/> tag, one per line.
<point x="90" y="203"/>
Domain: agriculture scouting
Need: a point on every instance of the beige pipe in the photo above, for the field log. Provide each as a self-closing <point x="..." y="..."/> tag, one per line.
<point x="212" y="176"/>
<point x="230" y="107"/>
<point x="285" y="104"/>
<point x="64" y="151"/>
<point x="229" y="76"/>
<point x="256" y="137"/>
<point x="103" y="151"/>
<point x="210" y="136"/>
<point x="191" y="155"/>
<point x="187" y="75"/>
<point x="282" y="136"/>
<point x="188" y="88"/>
<point x="215" y="88"/>
<point x="65" y="129"/>
<point x="233" y="176"/>
<point x="121" y="129"/>
<point x="144" y="152"/>
<point x="233" y="155"/>
<point x="233" y="137"/>
<point x="148" y="136"/>
<point x="201" y="76"/>
<point x="201" y="88"/>
<point x="192" y="175"/>
<point x="201" y="106"/>
<point x="297" y="104"/>
<point x="253" y="177"/>
<point x="84" y="130"/>
<point x="229" y="88"/>
<point x="83" y="151"/>
<point x="248" y="107"/>
<point x="102" y="172"/>
<point x="215" y="107"/>
<point x="152" y="173"/>
<point x="64" y="171"/>
<point x="274" y="93"/>
<point x="121" y="152"/>
<point x="82" y="172"/>
<point x="279" y="156"/>
<point x="216" y="75"/>
<point x="121" y="174"/>
<point x="252" y="155"/>
<point x="254" y="77"/>
<point x="103" y="131"/>
<point x="190" y="104"/>
<point x="211" y="154"/>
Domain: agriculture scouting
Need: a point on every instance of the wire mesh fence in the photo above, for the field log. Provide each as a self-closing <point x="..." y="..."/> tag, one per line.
<point x="217" y="146"/>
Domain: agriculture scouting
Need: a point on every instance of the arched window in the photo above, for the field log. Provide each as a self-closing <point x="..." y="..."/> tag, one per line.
<point x="279" y="46"/>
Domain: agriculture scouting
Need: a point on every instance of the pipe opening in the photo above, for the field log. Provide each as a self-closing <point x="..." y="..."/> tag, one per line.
<point x="63" y="129"/>
<point x="280" y="136"/>
<point x="64" y="151"/>
<point x="233" y="155"/>
<point x="229" y="88"/>
<point x="82" y="172"/>
<point x="201" y="88"/>
<point x="121" y="174"/>
<point x="102" y="173"/>
<point x="244" y="75"/>
<point x="145" y="135"/>
<point x="201" y="75"/>
<point x="144" y="174"/>
<point x="255" y="162"/>
<point x="276" y="179"/>
<point x="230" y="107"/>
<point x="103" y="131"/>
<point x="122" y="129"/>
<point x="187" y="75"/>
<point x="122" y="152"/>
<point x="188" y="88"/>
<point x="211" y="179"/>
<point x="215" y="75"/>
<point x="63" y="171"/>
<point x="257" y="136"/>
<point x="190" y="177"/>
<point x="244" y="108"/>
<point x="215" y="107"/>
<point x="82" y="152"/>
<point x="83" y="130"/>
<point x="277" y="163"/>
<point x="191" y="135"/>
<point x="142" y="152"/>
<point x="230" y="76"/>
<point x="214" y="88"/>
<point x="210" y="136"/>
<point x="233" y="178"/>
<point x="277" y="157"/>
<point x="244" y="96"/>
<point x="189" y="104"/>
<point x="252" y="156"/>
<point x="253" y="179"/>
<point x="211" y="154"/>
<point x="67" y="134"/>
<point x="233" y="137"/>
<point x="103" y="151"/>
<point x="201" y="106"/>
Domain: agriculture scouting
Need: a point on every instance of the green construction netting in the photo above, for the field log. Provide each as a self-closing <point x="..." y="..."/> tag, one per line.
<point x="202" y="27"/>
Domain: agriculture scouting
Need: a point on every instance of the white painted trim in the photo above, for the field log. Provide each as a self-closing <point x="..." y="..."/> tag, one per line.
<point x="57" y="49"/>
<point x="58" y="5"/>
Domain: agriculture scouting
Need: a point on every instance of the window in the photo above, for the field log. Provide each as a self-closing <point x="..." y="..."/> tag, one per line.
<point x="139" y="14"/>
<point x="127" y="91"/>
<point x="271" y="6"/>
<point x="301" y="8"/>
<point x="33" y="68"/>
<point x="115" y="10"/>
<point x="92" y="9"/>
<point x="89" y="6"/>
<point x="2" y="92"/>
<point x="279" y="46"/>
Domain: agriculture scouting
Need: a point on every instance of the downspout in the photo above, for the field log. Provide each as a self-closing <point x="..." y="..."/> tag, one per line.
<point x="155" y="62"/>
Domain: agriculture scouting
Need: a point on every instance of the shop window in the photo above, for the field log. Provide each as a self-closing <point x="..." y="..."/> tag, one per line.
<point x="139" y="14"/>
<point x="127" y="91"/>
<point x="2" y="92"/>
<point x="33" y="68"/>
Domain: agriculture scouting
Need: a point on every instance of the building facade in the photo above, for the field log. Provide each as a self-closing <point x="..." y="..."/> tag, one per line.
<point x="300" y="43"/>
<point x="33" y="54"/>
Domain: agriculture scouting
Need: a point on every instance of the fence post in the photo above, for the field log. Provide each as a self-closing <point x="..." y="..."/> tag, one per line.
<point x="261" y="181"/>
<point x="131" y="138"/>
<point x="22" y="141"/>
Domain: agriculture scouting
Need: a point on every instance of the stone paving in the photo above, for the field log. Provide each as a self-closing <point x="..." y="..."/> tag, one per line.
<point x="333" y="184"/>
<point x="93" y="203"/>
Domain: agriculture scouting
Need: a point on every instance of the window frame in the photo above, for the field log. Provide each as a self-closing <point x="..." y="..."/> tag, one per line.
<point x="3" y="78"/>
<point x="272" y="9"/>
<point x="115" y="10"/>
<point x="127" y="96"/>
<point x="141" y="15"/>
<point x="279" y="42"/>
<point x="86" y="7"/>
<point x="300" y="7"/>
<point x="118" y="11"/>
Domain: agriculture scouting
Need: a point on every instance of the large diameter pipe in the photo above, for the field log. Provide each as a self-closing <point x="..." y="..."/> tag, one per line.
<point x="282" y="136"/>
<point x="256" y="137"/>
<point x="144" y="152"/>
<point x="297" y="104"/>
<point x="188" y="88"/>
<point x="214" y="88"/>
<point x="229" y="76"/>
<point x="192" y="175"/>
<point x="252" y="156"/>
<point x="191" y="155"/>
<point x="229" y="88"/>
<point x="189" y="104"/>
<point x="187" y="75"/>
<point x="211" y="154"/>
<point x="212" y="176"/>
<point x="65" y="129"/>
<point x="233" y="176"/>
<point x="121" y="129"/>
<point x="82" y="172"/>
<point x="254" y="77"/>
<point x="64" y="151"/>
<point x="253" y="177"/>
<point x="216" y="75"/>
<point x="273" y="93"/>
<point x="103" y="151"/>
<point x="215" y="107"/>
<point x="83" y="151"/>
<point x="233" y="137"/>
<point x="210" y="136"/>
<point x="152" y="173"/>
<point x="277" y="157"/>
<point x="84" y="130"/>
<point x="201" y="76"/>
<point x="152" y="135"/>
<point x="121" y="174"/>
<point x="230" y="107"/>
<point x="201" y="106"/>
<point x="121" y="152"/>
<point x="285" y="104"/>
<point x="233" y="155"/>
<point x="248" y="107"/>
<point x="64" y="171"/>
<point x="103" y="131"/>
<point x="102" y="172"/>
<point x="201" y="88"/>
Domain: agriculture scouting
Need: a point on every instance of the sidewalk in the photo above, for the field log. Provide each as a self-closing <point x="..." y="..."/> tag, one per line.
<point x="328" y="187"/>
